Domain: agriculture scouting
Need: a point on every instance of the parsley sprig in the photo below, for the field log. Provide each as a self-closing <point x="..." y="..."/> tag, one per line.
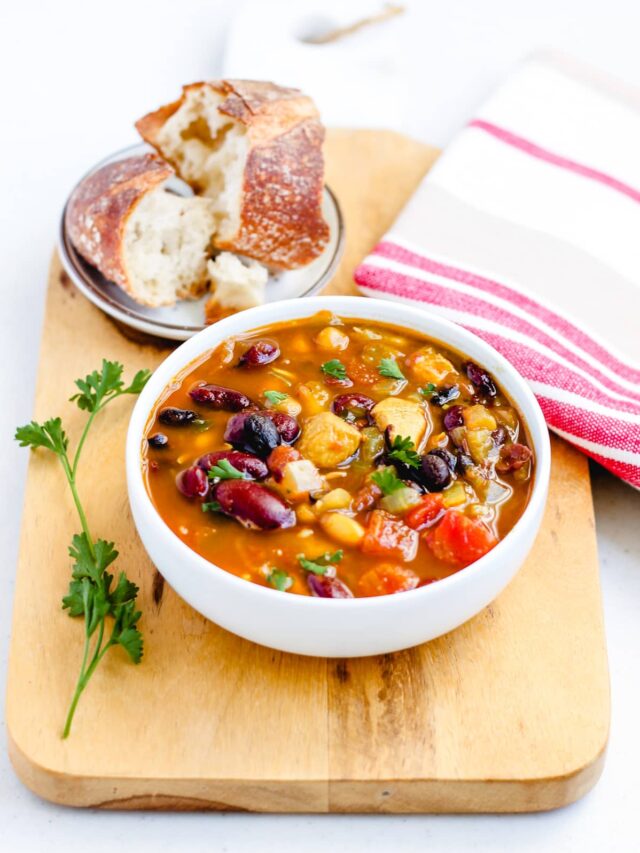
<point x="403" y="450"/>
<point x="275" y="397"/>
<point x="279" y="580"/>
<point x="334" y="368"/>
<point x="92" y="593"/>
<point x="389" y="367"/>
<point x="224" y="470"/>
<point x="387" y="480"/>
<point x="319" y="565"/>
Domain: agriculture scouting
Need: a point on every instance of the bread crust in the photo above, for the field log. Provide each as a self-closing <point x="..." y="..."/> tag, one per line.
<point x="281" y="223"/>
<point x="100" y="206"/>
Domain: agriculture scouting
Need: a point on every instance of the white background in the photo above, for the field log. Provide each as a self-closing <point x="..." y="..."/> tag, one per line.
<point x="74" y="77"/>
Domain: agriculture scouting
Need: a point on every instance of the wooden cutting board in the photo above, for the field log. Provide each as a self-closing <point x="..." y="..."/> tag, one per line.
<point x="508" y="713"/>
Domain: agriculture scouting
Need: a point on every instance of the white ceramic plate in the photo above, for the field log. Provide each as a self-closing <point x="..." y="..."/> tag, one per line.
<point x="184" y="319"/>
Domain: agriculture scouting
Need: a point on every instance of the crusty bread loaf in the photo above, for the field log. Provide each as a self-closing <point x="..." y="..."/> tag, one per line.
<point x="152" y="243"/>
<point x="255" y="150"/>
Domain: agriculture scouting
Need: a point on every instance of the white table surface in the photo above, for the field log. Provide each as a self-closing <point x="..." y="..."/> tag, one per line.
<point x="74" y="76"/>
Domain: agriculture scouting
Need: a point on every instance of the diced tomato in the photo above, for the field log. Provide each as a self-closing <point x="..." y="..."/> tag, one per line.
<point x="387" y="536"/>
<point x="279" y="457"/>
<point x="459" y="540"/>
<point x="361" y="372"/>
<point x="425" y="512"/>
<point x="387" y="579"/>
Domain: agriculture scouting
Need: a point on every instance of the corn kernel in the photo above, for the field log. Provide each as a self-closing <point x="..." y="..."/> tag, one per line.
<point x="342" y="528"/>
<point x="290" y="406"/>
<point x="332" y="339"/>
<point x="305" y="514"/>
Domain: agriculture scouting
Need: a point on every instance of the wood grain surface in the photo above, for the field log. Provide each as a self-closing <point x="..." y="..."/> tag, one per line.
<point x="508" y="713"/>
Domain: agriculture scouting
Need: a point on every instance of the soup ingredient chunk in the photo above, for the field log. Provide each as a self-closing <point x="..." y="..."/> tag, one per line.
<point x="387" y="579"/>
<point x="388" y="536"/>
<point x="342" y="528"/>
<point x="404" y="417"/>
<point x="259" y="354"/>
<point x="332" y="339"/>
<point x="327" y="440"/>
<point x="253" y="505"/>
<point x="481" y="379"/>
<point x="193" y="483"/>
<point x="177" y="417"/>
<point x="427" y="365"/>
<point x="249" y="465"/>
<point x="252" y="432"/>
<point x="459" y="540"/>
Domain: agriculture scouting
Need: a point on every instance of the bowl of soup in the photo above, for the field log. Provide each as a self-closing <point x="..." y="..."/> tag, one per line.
<point x="337" y="476"/>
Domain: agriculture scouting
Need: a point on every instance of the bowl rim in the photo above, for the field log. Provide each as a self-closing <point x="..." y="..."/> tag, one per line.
<point x="73" y="263"/>
<point x="175" y="363"/>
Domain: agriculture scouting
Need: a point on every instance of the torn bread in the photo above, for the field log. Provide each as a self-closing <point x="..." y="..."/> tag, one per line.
<point x="235" y="285"/>
<point x="152" y="243"/>
<point x="255" y="150"/>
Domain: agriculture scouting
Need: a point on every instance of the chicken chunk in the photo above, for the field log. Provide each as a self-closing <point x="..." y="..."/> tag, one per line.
<point x="427" y="365"/>
<point x="327" y="440"/>
<point x="405" y="417"/>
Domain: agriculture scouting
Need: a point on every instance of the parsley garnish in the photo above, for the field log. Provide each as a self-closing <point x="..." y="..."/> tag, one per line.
<point x="334" y="368"/>
<point x="389" y="367"/>
<point x="279" y="580"/>
<point x="211" y="506"/>
<point x="91" y="590"/>
<point x="428" y="390"/>
<point x="387" y="480"/>
<point x="319" y="565"/>
<point x="224" y="470"/>
<point x="275" y="397"/>
<point x="403" y="450"/>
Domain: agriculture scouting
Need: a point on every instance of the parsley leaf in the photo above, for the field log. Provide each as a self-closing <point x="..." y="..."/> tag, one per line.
<point x="92" y="594"/>
<point x="387" y="480"/>
<point x="224" y="470"/>
<point x="403" y="450"/>
<point x="211" y="506"/>
<point x="49" y="435"/>
<point x="334" y="368"/>
<point x="275" y="397"/>
<point x="100" y="386"/>
<point x="279" y="580"/>
<point x="428" y="390"/>
<point x="319" y="565"/>
<point x="389" y="367"/>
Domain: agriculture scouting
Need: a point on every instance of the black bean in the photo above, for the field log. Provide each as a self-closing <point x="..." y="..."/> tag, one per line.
<point x="253" y="432"/>
<point x="447" y="456"/>
<point x="177" y="417"/>
<point x="445" y="395"/>
<point x="436" y="474"/>
<point x="159" y="440"/>
<point x="481" y="379"/>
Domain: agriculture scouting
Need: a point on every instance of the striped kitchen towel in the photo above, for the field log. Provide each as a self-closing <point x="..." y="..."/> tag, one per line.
<point x="527" y="232"/>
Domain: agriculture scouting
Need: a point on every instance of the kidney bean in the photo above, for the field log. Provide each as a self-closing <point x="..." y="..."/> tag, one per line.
<point x="347" y="382"/>
<point x="445" y="454"/>
<point x="351" y="407"/>
<point x="219" y="397"/>
<point x="287" y="426"/>
<point x="322" y="586"/>
<point x="253" y="432"/>
<point x="436" y="474"/>
<point x="259" y="354"/>
<point x="453" y="418"/>
<point x="446" y="395"/>
<point x="481" y="379"/>
<point x="193" y="482"/>
<point x="251" y="465"/>
<point x="159" y="440"/>
<point x="253" y="505"/>
<point x="513" y="457"/>
<point x="177" y="417"/>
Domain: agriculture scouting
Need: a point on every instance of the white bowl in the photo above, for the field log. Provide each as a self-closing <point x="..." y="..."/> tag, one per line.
<point x="337" y="627"/>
